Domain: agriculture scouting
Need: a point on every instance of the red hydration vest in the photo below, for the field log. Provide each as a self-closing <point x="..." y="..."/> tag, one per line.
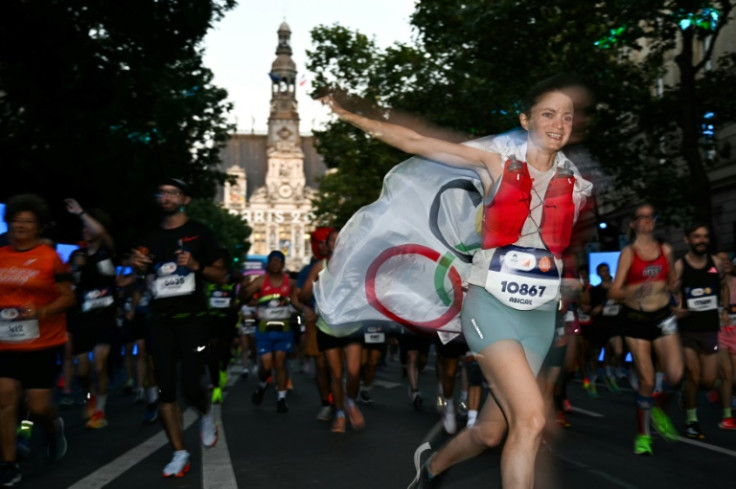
<point x="504" y="216"/>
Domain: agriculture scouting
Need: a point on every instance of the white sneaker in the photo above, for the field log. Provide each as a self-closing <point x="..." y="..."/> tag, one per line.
<point x="448" y="421"/>
<point x="208" y="429"/>
<point x="325" y="414"/>
<point x="179" y="464"/>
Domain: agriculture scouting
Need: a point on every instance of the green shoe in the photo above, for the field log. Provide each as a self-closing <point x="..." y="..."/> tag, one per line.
<point x="216" y="395"/>
<point x="643" y="445"/>
<point x="223" y="378"/>
<point x="663" y="425"/>
<point x="613" y="385"/>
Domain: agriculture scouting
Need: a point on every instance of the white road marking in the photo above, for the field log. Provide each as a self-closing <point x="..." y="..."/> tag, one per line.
<point x="708" y="446"/>
<point x="107" y="473"/>
<point x="386" y="384"/>
<point x="217" y="468"/>
<point x="587" y="413"/>
<point x="599" y="473"/>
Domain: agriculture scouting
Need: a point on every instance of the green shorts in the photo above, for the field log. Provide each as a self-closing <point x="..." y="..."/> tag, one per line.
<point x="485" y="320"/>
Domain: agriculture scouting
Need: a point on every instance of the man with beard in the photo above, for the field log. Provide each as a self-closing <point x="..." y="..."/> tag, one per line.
<point x="178" y="258"/>
<point x="703" y="288"/>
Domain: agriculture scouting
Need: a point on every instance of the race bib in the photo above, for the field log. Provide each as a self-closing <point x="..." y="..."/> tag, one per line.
<point x="274" y="313"/>
<point x="611" y="308"/>
<point x="374" y="338"/>
<point x="703" y="303"/>
<point x="13" y="329"/>
<point x="583" y="318"/>
<point x="523" y="278"/>
<point x="97" y="299"/>
<point x="168" y="283"/>
<point x="220" y="302"/>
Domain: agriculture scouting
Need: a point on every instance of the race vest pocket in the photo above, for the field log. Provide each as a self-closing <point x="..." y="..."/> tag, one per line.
<point x="13" y="329"/>
<point x="611" y="308"/>
<point x="97" y="299"/>
<point x="523" y="278"/>
<point x="169" y="283"/>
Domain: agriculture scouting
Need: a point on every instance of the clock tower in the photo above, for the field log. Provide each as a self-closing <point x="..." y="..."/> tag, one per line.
<point x="285" y="174"/>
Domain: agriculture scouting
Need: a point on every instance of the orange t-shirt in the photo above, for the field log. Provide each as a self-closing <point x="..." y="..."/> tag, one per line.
<point x="31" y="277"/>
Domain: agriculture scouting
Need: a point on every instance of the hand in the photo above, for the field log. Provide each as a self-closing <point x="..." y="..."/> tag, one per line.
<point x="185" y="259"/>
<point x="139" y="259"/>
<point x="73" y="207"/>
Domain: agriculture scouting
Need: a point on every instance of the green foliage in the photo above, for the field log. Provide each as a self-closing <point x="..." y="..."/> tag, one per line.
<point x="473" y="61"/>
<point x="231" y="231"/>
<point x="101" y="100"/>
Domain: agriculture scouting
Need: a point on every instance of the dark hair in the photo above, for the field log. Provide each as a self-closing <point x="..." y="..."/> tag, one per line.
<point x="693" y="226"/>
<point x="601" y="265"/>
<point x="555" y="83"/>
<point x="27" y="203"/>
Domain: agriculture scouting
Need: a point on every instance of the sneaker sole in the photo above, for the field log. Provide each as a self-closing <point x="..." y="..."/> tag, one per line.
<point x="217" y="436"/>
<point x="418" y="462"/>
<point x="178" y="474"/>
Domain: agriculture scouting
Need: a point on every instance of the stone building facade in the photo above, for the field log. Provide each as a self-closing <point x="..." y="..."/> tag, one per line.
<point x="275" y="173"/>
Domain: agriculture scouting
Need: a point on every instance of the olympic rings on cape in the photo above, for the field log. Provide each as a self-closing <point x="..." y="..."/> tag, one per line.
<point x="415" y="249"/>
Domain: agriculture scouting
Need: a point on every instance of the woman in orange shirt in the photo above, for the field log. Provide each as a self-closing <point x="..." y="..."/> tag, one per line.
<point x="35" y="292"/>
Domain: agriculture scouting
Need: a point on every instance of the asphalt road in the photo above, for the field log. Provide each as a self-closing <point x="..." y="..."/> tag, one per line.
<point x="260" y="449"/>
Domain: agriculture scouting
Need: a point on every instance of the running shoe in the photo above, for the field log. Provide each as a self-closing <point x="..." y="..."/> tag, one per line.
<point x="217" y="395"/>
<point x="592" y="391"/>
<point x="449" y="423"/>
<point x="258" y="395"/>
<point x="692" y="430"/>
<point x="727" y="424"/>
<point x="422" y="480"/>
<point x="325" y="413"/>
<point x="150" y="415"/>
<point x="9" y="474"/>
<point x="178" y="466"/>
<point x="612" y="385"/>
<point x="365" y="397"/>
<point x="222" y="379"/>
<point x="339" y="425"/>
<point x="57" y="442"/>
<point x="643" y="445"/>
<point x="562" y="420"/>
<point x="355" y="416"/>
<point x="462" y="408"/>
<point x="566" y="406"/>
<point x="97" y="421"/>
<point x="281" y="406"/>
<point x="416" y="400"/>
<point x="208" y="429"/>
<point x="663" y="425"/>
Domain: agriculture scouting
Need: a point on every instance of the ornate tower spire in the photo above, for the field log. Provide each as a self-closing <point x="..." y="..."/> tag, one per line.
<point x="283" y="122"/>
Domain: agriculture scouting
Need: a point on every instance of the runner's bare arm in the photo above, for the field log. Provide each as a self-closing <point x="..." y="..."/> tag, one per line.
<point x="247" y="291"/>
<point x="622" y="270"/>
<point x="305" y="295"/>
<point x="412" y="142"/>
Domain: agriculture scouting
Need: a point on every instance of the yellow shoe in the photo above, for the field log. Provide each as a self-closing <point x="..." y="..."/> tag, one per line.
<point x="97" y="421"/>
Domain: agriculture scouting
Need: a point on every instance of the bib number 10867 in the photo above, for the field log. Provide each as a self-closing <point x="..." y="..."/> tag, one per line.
<point x="522" y="289"/>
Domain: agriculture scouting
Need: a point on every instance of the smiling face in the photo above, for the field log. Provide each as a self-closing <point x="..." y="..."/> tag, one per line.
<point x="549" y="122"/>
<point x="698" y="240"/>
<point x="644" y="220"/>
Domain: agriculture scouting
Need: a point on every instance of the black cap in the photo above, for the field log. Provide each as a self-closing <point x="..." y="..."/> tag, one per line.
<point x="178" y="183"/>
<point x="276" y="254"/>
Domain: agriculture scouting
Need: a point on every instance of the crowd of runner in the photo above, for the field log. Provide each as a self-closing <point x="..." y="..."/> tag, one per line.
<point x="176" y="302"/>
